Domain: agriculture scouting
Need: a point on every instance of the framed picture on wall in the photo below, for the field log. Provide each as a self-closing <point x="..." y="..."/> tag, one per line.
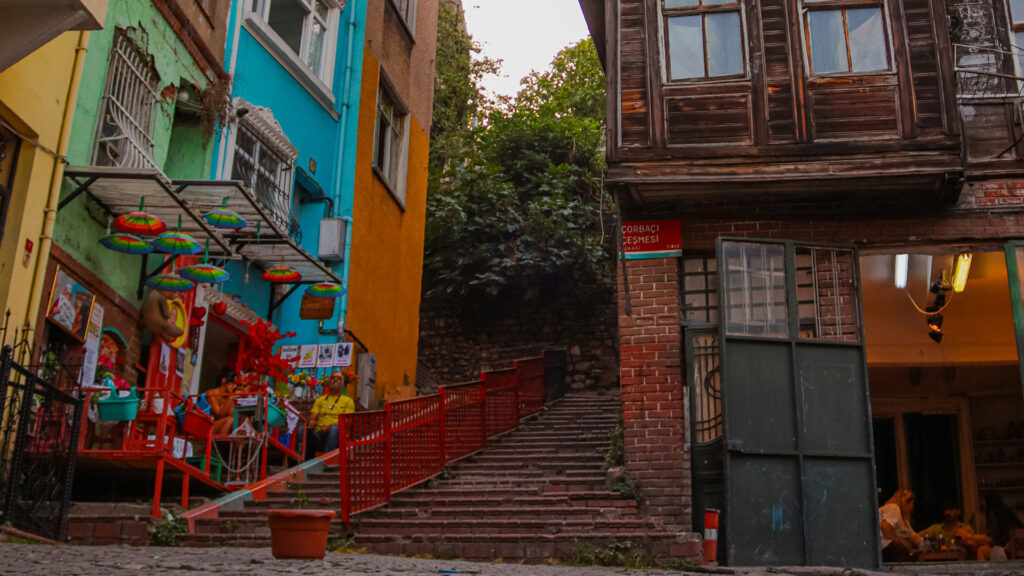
<point x="70" y="305"/>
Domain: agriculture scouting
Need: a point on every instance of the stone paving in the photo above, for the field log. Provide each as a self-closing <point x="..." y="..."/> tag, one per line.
<point x="41" y="559"/>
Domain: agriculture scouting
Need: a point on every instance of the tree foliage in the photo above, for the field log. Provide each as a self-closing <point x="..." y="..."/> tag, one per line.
<point x="515" y="210"/>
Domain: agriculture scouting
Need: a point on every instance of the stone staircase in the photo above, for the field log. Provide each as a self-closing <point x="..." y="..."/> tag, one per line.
<point x="535" y="493"/>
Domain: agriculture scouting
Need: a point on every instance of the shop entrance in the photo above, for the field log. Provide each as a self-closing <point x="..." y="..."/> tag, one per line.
<point x="945" y="386"/>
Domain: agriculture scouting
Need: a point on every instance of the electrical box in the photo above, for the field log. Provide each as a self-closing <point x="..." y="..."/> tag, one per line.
<point x="332" y="239"/>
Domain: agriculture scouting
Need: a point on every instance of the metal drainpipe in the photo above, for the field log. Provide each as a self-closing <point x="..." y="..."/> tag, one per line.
<point x="342" y="128"/>
<point x="53" y="198"/>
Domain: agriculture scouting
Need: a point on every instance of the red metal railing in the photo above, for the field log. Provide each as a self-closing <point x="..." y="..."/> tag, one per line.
<point x="465" y="419"/>
<point x="410" y="441"/>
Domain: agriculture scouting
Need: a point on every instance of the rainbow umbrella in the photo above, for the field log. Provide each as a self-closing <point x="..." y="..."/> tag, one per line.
<point x="224" y="218"/>
<point x="176" y="243"/>
<point x="326" y="290"/>
<point x="205" y="274"/>
<point x="170" y="282"/>
<point x="140" y="223"/>
<point x="281" y="275"/>
<point x="126" y="243"/>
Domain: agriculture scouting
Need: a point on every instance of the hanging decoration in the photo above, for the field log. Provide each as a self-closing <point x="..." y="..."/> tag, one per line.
<point x="139" y="222"/>
<point x="281" y="275"/>
<point x="126" y="243"/>
<point x="326" y="290"/>
<point x="205" y="274"/>
<point x="170" y="283"/>
<point x="177" y="243"/>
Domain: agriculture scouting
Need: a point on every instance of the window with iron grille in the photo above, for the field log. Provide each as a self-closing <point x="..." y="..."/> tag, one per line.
<point x="389" y="143"/>
<point x="124" y="137"/>
<point x="699" y="286"/>
<point x="265" y="170"/>
<point x="8" y="158"/>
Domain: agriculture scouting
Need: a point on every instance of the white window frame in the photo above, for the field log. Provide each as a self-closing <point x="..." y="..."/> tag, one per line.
<point x="124" y="131"/>
<point x="261" y="8"/>
<point x="1015" y="24"/>
<point x="406" y="10"/>
<point x="393" y="169"/>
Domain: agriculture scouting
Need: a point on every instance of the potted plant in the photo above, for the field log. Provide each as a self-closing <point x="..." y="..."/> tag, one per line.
<point x="299" y="534"/>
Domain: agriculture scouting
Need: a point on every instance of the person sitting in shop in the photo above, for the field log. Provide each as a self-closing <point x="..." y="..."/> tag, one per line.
<point x="953" y="531"/>
<point x="324" y="415"/>
<point x="222" y="403"/>
<point x="899" y="541"/>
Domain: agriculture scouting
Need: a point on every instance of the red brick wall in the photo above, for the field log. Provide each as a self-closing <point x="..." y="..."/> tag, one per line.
<point x="651" y="379"/>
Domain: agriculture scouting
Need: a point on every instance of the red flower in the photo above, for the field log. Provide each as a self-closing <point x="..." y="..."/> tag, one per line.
<point x="258" y="356"/>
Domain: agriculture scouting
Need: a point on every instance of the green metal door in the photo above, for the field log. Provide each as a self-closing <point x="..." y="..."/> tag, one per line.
<point x="1015" y="274"/>
<point x="799" y="464"/>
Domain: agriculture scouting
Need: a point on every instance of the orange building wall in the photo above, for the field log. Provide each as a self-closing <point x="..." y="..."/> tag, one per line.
<point x="387" y="252"/>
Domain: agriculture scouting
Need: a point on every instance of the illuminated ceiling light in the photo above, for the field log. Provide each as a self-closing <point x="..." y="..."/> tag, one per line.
<point x="902" y="269"/>
<point x="963" y="269"/>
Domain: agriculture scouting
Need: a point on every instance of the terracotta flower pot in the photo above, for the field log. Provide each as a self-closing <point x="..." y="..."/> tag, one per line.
<point x="300" y="534"/>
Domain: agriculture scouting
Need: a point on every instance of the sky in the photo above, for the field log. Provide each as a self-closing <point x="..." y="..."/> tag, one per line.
<point x="525" y="34"/>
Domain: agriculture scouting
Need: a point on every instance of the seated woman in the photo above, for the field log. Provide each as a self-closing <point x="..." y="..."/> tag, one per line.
<point x="222" y="403"/>
<point x="953" y="530"/>
<point x="899" y="541"/>
<point x="325" y="412"/>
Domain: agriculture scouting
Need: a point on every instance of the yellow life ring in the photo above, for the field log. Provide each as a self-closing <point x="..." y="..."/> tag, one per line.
<point x="180" y="320"/>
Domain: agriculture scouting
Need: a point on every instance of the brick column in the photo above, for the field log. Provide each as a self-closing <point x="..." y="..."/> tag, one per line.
<point x="651" y="379"/>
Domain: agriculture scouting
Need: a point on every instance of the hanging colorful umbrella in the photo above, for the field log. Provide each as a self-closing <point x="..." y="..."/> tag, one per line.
<point x="224" y="218"/>
<point x="140" y="223"/>
<point x="126" y="243"/>
<point x="176" y="243"/>
<point x="170" y="282"/>
<point x="326" y="290"/>
<point x="205" y="274"/>
<point x="281" y="275"/>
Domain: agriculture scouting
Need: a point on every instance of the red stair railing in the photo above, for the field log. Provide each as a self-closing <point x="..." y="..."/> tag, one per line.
<point x="409" y="442"/>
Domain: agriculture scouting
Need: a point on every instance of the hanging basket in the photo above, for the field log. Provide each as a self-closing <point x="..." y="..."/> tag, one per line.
<point x="192" y="420"/>
<point x="276" y="416"/>
<point x="114" y="408"/>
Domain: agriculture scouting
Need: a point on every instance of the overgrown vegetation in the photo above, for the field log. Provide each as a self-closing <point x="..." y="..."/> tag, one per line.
<point x="616" y="454"/>
<point x="345" y="546"/>
<point x="516" y="210"/>
<point x="624" y="554"/>
<point x="166" y="532"/>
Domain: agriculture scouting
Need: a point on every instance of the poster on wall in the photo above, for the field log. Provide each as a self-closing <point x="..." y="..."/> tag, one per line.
<point x="179" y="362"/>
<point x="307" y="356"/>
<point x="165" y="358"/>
<point x="289" y="352"/>
<point x="92" y="346"/>
<point x="343" y="354"/>
<point x="325" y="359"/>
<point x="70" y="304"/>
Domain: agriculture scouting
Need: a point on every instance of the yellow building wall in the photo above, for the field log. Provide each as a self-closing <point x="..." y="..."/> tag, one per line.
<point x="387" y="252"/>
<point x="32" y="100"/>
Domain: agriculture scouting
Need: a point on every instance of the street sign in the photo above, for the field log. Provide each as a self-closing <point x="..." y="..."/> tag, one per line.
<point x="652" y="239"/>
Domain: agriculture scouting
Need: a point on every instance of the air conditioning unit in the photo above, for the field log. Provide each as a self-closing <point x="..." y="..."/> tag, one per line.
<point x="332" y="239"/>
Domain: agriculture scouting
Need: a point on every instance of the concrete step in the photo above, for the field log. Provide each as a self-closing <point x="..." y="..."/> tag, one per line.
<point x="412" y="526"/>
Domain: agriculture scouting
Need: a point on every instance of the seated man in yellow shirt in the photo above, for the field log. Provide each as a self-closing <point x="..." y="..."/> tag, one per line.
<point x="324" y="415"/>
<point x="953" y="530"/>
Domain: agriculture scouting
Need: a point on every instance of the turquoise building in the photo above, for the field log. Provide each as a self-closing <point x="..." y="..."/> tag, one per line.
<point x="291" y="135"/>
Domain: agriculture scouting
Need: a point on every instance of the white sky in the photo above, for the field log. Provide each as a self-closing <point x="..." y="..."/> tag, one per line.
<point x="525" y="34"/>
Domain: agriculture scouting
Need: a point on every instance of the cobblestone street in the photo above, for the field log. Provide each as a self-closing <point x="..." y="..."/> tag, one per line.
<point x="116" y="560"/>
